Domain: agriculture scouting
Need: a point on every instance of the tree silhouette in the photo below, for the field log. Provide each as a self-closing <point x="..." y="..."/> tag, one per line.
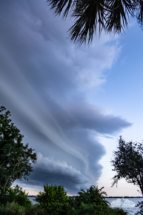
<point x="14" y="156"/>
<point x="128" y="163"/>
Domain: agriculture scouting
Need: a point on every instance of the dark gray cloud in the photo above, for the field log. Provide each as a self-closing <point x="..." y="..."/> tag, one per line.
<point x="58" y="173"/>
<point x="46" y="82"/>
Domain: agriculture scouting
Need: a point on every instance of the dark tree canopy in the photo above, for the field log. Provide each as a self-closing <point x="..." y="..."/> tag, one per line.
<point x="93" y="194"/>
<point x="128" y="163"/>
<point x="110" y="15"/>
<point x="15" y="158"/>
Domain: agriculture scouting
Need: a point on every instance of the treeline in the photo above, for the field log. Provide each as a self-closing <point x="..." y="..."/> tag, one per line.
<point x="54" y="201"/>
<point x="15" y="163"/>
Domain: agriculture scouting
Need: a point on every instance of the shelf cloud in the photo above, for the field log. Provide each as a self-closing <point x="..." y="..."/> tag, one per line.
<point x="47" y="83"/>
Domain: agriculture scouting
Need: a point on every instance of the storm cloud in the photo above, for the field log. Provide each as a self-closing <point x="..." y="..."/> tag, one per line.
<point x="47" y="83"/>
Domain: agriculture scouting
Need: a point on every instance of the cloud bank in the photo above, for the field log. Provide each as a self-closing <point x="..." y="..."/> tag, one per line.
<point x="47" y="83"/>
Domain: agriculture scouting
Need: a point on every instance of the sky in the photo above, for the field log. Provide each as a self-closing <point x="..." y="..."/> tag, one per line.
<point x="70" y="102"/>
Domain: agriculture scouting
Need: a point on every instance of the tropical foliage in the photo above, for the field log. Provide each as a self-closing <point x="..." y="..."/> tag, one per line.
<point x="92" y="195"/>
<point x="16" y="194"/>
<point x="128" y="163"/>
<point x="15" y="158"/>
<point x="14" y="208"/>
<point x="54" y="200"/>
<point x="110" y="15"/>
<point x="11" y="209"/>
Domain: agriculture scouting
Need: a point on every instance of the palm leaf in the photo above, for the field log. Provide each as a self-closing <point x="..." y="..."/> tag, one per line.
<point x="116" y="19"/>
<point x="110" y="15"/>
<point x="59" y="5"/>
<point x="88" y="14"/>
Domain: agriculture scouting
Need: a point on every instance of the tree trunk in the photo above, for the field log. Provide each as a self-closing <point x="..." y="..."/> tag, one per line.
<point x="9" y="176"/>
<point x="6" y="182"/>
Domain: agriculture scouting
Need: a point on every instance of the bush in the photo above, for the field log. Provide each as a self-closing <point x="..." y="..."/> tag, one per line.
<point x="34" y="210"/>
<point x="14" y="209"/>
<point x="11" y="209"/>
<point x="116" y="211"/>
<point x="92" y="196"/>
<point x="92" y="202"/>
<point x="54" y="200"/>
<point x="15" y="194"/>
<point x="86" y="209"/>
<point x="93" y="209"/>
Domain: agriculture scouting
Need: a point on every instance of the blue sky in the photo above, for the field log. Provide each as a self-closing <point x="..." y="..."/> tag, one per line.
<point x="70" y="102"/>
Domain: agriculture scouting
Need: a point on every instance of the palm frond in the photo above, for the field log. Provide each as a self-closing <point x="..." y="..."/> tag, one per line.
<point x="110" y="15"/>
<point x="59" y="5"/>
<point x="116" y="19"/>
<point x="140" y="12"/>
<point x="88" y="13"/>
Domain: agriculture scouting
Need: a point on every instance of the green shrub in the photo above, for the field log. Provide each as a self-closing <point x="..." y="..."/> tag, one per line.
<point x="54" y="200"/>
<point x="14" y="209"/>
<point x="11" y="209"/>
<point x="93" y="209"/>
<point x="92" y="195"/>
<point x="86" y="209"/>
<point x="116" y="211"/>
<point x="15" y="194"/>
<point x="34" y="210"/>
<point x="91" y="202"/>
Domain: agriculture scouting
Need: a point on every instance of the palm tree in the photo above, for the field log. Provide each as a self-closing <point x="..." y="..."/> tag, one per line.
<point x="110" y="15"/>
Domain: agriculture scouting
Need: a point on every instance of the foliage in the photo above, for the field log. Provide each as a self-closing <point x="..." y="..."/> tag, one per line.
<point x="93" y="195"/>
<point x="116" y="211"/>
<point x="15" y="158"/>
<point x="93" y="209"/>
<point x="12" y="209"/>
<point x="34" y="210"/>
<point x="140" y="205"/>
<point x="111" y="15"/>
<point x="93" y="202"/>
<point x="54" y="200"/>
<point x="85" y="209"/>
<point x="128" y="163"/>
<point x="16" y="194"/>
